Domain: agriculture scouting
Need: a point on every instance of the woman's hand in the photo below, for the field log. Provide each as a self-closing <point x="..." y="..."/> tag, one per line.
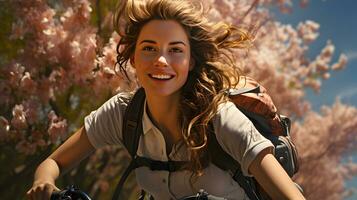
<point x="72" y="151"/>
<point x="41" y="190"/>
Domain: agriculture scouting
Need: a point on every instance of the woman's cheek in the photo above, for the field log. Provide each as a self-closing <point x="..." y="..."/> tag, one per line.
<point x="147" y="57"/>
<point x="181" y="60"/>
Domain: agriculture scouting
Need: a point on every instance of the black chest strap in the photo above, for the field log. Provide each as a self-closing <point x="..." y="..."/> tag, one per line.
<point x="157" y="165"/>
<point x="132" y="129"/>
<point x="154" y="165"/>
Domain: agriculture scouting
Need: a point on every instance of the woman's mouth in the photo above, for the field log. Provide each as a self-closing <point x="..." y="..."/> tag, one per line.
<point x="161" y="76"/>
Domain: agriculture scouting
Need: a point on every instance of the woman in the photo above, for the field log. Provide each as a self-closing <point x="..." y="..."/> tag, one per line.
<point x="184" y="63"/>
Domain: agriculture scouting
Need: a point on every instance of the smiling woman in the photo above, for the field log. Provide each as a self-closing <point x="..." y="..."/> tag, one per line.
<point x="162" y="59"/>
<point x="185" y="66"/>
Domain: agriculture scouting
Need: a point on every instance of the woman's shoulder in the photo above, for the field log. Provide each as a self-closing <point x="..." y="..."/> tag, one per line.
<point x="117" y="103"/>
<point x="120" y="99"/>
<point x="123" y="97"/>
<point x="227" y="106"/>
<point x="229" y="113"/>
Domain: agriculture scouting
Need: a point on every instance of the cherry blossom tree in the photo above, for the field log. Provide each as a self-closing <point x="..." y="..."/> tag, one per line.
<point x="58" y="63"/>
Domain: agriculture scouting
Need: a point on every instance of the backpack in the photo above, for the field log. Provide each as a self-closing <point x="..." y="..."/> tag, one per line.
<point x="253" y="101"/>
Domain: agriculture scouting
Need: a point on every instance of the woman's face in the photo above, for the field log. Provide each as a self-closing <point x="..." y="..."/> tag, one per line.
<point x="162" y="57"/>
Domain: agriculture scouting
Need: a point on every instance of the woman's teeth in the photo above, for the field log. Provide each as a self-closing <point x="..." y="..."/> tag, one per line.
<point x="161" y="76"/>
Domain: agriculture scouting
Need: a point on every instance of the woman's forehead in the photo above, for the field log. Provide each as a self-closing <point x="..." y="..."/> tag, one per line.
<point x="163" y="30"/>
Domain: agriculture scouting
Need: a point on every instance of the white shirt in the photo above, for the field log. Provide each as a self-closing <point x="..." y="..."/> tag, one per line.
<point x="234" y="132"/>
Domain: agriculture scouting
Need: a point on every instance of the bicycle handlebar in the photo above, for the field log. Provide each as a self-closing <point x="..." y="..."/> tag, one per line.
<point x="70" y="193"/>
<point x="73" y="193"/>
<point x="202" y="195"/>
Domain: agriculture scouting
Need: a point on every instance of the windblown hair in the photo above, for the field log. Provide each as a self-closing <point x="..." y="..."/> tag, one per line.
<point x="214" y="72"/>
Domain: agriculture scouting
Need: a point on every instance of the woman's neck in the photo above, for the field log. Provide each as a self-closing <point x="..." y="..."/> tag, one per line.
<point x="164" y="113"/>
<point x="163" y="110"/>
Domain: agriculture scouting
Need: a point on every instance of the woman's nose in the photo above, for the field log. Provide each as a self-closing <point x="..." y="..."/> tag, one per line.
<point x="161" y="61"/>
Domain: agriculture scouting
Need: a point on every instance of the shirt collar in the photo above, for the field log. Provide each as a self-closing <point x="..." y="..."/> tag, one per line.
<point x="147" y="123"/>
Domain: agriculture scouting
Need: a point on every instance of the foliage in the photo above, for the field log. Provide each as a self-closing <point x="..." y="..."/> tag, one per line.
<point x="57" y="65"/>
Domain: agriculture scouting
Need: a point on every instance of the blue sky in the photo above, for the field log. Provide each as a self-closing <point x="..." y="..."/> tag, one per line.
<point x="338" y="23"/>
<point x="337" y="19"/>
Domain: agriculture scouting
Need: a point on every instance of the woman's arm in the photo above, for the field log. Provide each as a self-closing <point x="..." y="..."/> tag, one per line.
<point x="273" y="178"/>
<point x="70" y="153"/>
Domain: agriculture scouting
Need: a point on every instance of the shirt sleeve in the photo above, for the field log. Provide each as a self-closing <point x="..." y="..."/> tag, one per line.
<point x="237" y="135"/>
<point x="104" y="125"/>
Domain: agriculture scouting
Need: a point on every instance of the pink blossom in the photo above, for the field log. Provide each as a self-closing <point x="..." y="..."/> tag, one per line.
<point x="62" y="52"/>
<point x="326" y="75"/>
<point x="76" y="50"/>
<point x="329" y="133"/>
<point x="26" y="147"/>
<point x="38" y="138"/>
<point x="313" y="83"/>
<point x="57" y="129"/>
<point x="66" y="15"/>
<point x="341" y="63"/>
<point x="321" y="65"/>
<point x="4" y="128"/>
<point x="18" y="31"/>
<point x="328" y="50"/>
<point x="27" y="84"/>
<point x="109" y="52"/>
<point x="19" y="119"/>
<point x="16" y="72"/>
<point x="308" y="31"/>
<point x="108" y="72"/>
<point x="32" y="110"/>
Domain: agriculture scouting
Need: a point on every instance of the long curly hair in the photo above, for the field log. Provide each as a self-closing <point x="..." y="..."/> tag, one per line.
<point x="215" y="70"/>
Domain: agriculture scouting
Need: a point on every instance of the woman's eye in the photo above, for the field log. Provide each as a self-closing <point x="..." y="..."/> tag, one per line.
<point x="176" y="50"/>
<point x="149" y="49"/>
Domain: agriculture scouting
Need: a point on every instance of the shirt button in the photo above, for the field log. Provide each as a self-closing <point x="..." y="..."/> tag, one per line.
<point x="164" y="180"/>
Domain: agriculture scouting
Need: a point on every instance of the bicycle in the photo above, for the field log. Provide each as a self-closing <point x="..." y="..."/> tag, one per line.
<point x="73" y="193"/>
<point x="70" y="193"/>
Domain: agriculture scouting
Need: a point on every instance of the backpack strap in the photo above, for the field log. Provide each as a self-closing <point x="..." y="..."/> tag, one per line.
<point x="238" y="91"/>
<point x="132" y="122"/>
<point x="132" y="130"/>
<point x="123" y="178"/>
<point x="224" y="161"/>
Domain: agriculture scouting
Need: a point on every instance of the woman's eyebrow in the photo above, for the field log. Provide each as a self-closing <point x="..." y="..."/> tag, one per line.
<point x="171" y="43"/>
<point x="148" y="41"/>
<point x="177" y="42"/>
